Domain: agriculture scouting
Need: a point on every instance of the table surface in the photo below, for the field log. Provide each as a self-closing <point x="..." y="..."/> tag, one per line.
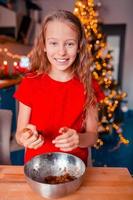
<point x="100" y="183"/>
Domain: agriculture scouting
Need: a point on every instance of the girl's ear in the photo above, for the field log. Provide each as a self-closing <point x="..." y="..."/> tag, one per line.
<point x="44" y="49"/>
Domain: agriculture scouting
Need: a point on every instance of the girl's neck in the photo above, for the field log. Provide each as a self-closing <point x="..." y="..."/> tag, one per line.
<point x="61" y="76"/>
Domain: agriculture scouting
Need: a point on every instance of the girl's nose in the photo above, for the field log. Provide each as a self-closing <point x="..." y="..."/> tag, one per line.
<point x="62" y="50"/>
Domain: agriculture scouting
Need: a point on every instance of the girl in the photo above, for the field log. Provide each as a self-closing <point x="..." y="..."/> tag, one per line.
<point x="57" y="99"/>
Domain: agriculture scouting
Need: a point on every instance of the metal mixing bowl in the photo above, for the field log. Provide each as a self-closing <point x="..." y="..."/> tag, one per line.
<point x="54" y="164"/>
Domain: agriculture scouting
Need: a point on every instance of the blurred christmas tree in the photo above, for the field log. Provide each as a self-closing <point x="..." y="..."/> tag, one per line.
<point x="102" y="70"/>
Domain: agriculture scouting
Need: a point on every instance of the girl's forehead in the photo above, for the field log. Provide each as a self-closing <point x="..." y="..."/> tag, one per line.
<point x="61" y="25"/>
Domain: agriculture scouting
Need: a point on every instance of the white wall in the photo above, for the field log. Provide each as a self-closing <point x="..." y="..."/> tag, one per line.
<point x="7" y="17"/>
<point x="111" y="12"/>
<point x="55" y="4"/>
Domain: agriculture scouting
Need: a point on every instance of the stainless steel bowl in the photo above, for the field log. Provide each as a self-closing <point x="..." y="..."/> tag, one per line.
<point x="54" y="164"/>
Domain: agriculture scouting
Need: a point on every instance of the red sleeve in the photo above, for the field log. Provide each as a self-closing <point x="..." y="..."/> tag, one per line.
<point x="97" y="90"/>
<point x="24" y="92"/>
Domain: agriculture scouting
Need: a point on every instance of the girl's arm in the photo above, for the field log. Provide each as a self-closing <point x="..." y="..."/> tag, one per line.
<point x="23" y="120"/>
<point x="26" y="133"/>
<point x="90" y="136"/>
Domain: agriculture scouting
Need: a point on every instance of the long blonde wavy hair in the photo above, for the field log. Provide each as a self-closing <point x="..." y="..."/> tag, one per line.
<point x="81" y="65"/>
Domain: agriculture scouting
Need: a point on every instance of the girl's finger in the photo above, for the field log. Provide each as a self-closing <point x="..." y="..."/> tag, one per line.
<point x="26" y="135"/>
<point x="67" y="142"/>
<point x="63" y="136"/>
<point x="69" y="148"/>
<point x="36" y="143"/>
<point x="32" y="128"/>
<point x="63" y="130"/>
<point x="62" y="140"/>
<point x="32" y="139"/>
<point x="64" y="145"/>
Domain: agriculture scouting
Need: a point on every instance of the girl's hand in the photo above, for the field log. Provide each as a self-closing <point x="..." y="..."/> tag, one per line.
<point x="68" y="140"/>
<point x="30" y="138"/>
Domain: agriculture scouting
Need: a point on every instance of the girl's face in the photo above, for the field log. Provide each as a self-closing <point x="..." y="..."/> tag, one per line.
<point x="61" y="45"/>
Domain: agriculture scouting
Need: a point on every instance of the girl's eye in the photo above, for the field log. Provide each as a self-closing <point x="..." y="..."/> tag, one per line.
<point x="70" y="44"/>
<point x="53" y="43"/>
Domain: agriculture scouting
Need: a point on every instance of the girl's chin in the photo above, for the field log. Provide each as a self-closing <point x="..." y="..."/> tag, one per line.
<point x="62" y="68"/>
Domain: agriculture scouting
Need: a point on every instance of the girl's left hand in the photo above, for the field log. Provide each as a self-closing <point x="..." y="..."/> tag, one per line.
<point x="68" y="140"/>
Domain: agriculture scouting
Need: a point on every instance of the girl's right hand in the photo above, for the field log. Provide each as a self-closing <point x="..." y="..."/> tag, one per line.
<point x="30" y="138"/>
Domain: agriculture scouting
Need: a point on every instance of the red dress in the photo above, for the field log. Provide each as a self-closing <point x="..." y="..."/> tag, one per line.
<point x="54" y="105"/>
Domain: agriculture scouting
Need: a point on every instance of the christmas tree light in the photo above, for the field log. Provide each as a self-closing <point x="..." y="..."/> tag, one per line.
<point x="102" y="70"/>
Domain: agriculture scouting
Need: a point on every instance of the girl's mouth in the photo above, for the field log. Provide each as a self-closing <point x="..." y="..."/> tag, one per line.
<point x="63" y="60"/>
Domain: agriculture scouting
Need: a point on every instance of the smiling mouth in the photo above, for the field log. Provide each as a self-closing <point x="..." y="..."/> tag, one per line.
<point x="61" y="60"/>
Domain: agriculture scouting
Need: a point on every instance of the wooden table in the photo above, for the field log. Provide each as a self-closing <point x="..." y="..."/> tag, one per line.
<point x="99" y="184"/>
